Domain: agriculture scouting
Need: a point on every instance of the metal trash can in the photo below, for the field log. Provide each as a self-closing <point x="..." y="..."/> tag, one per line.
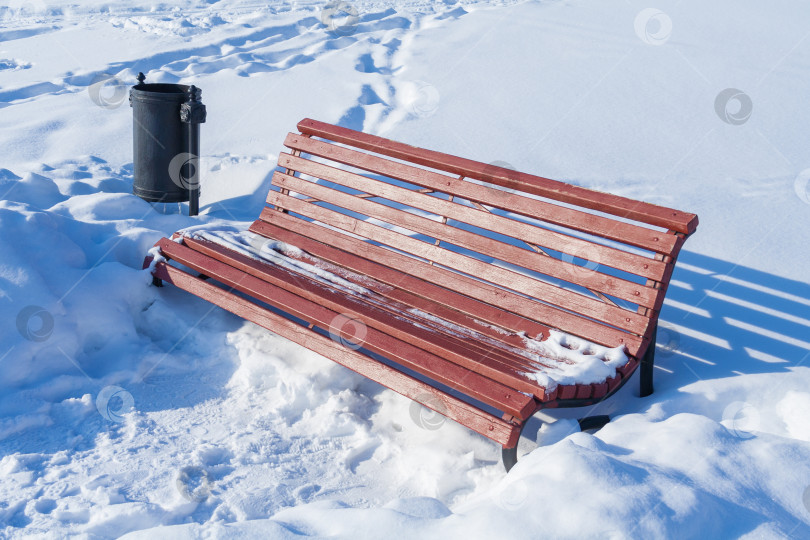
<point x="166" y="142"/>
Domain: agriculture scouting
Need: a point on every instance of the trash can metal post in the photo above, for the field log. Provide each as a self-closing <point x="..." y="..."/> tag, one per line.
<point x="193" y="113"/>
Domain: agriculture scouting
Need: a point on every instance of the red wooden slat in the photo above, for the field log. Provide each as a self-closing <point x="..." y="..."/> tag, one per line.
<point x="599" y="390"/>
<point x="603" y="255"/>
<point x="546" y="315"/>
<point x="583" y="391"/>
<point x="606" y="227"/>
<point x="621" y="318"/>
<point x="626" y="233"/>
<point x="452" y="375"/>
<point x="412" y="290"/>
<point x="495" y="362"/>
<point x="402" y="300"/>
<point x="468" y="415"/>
<point x="616" y="287"/>
<point x="604" y="202"/>
<point x="628" y="369"/>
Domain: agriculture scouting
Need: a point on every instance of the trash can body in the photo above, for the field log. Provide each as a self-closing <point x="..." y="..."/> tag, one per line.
<point x="159" y="136"/>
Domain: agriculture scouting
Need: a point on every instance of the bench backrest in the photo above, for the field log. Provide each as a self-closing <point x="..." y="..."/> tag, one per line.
<point x="551" y="254"/>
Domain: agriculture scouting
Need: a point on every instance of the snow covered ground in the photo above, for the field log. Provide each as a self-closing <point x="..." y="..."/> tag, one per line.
<point x="126" y="409"/>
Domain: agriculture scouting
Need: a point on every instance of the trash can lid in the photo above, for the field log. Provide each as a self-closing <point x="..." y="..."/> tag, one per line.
<point x="159" y="92"/>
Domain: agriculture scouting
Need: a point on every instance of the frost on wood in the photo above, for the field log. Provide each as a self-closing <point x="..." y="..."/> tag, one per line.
<point x="562" y="358"/>
<point x="274" y="252"/>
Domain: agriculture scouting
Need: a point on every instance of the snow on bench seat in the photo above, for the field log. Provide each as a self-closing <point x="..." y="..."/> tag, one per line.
<point x="561" y="359"/>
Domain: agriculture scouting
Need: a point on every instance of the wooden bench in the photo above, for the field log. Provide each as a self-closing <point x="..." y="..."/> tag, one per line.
<point x="451" y="271"/>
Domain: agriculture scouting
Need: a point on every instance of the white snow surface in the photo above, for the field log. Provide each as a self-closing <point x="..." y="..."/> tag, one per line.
<point x="129" y="410"/>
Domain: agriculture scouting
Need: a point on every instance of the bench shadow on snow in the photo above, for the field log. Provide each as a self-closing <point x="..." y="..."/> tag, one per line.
<point x="722" y="319"/>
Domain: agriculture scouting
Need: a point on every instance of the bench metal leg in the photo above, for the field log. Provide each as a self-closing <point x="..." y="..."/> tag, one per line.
<point x="593" y="422"/>
<point x="157" y="282"/>
<point x="509" y="455"/>
<point x="647" y="363"/>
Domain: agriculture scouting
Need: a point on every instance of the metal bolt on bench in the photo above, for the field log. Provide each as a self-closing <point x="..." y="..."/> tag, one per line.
<point x="166" y="142"/>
